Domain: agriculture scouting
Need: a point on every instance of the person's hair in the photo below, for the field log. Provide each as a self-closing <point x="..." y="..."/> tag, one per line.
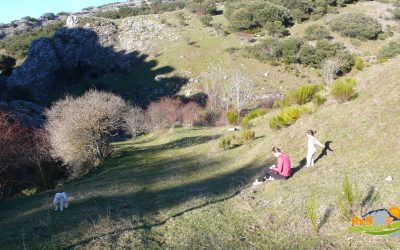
<point x="311" y="132"/>
<point x="276" y="149"/>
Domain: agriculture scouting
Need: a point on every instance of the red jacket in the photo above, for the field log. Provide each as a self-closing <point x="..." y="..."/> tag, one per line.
<point x="283" y="165"/>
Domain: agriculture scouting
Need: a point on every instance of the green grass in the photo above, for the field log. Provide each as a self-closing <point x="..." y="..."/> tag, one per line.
<point x="177" y="189"/>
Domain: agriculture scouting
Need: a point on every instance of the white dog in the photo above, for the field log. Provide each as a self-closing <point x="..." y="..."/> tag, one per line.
<point x="60" y="201"/>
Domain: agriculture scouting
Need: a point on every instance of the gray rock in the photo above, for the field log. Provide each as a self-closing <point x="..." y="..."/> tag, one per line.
<point x="29" y="114"/>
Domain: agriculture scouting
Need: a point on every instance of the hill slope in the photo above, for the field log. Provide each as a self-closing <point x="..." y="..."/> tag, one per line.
<point x="178" y="190"/>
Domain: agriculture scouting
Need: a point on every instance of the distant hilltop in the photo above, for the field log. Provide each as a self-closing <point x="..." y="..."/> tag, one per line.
<point x="29" y="23"/>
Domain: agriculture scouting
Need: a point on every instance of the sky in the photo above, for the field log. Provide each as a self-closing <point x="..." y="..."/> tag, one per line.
<point x="15" y="9"/>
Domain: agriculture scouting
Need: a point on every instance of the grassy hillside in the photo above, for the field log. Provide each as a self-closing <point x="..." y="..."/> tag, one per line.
<point x="176" y="189"/>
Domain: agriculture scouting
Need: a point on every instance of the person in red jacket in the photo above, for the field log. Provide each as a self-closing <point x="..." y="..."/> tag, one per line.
<point x="279" y="172"/>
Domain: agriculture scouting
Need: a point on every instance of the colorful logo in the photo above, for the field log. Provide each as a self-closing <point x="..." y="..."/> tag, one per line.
<point x="378" y="222"/>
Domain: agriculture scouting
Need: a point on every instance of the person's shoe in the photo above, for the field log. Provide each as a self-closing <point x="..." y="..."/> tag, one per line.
<point x="256" y="183"/>
<point x="271" y="178"/>
<point x="308" y="165"/>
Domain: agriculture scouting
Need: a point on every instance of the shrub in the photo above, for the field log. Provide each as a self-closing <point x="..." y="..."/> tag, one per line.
<point x="316" y="32"/>
<point x="18" y="45"/>
<point x="206" y="20"/>
<point x="358" y="63"/>
<point x="319" y="99"/>
<point x="137" y="122"/>
<point x="314" y="56"/>
<point x="343" y="89"/>
<point x="252" y="115"/>
<point x="24" y="156"/>
<point x="282" y="102"/>
<point x="312" y="213"/>
<point x="289" y="49"/>
<point x="347" y="199"/>
<point x="224" y="143"/>
<point x="276" y="29"/>
<point x="202" y="7"/>
<point x="285" y="117"/>
<point x="304" y="94"/>
<point x="80" y="129"/>
<point x="232" y="116"/>
<point x="357" y="25"/>
<point x="247" y="135"/>
<point x="308" y="108"/>
<point x="7" y="63"/>
<point x="390" y="50"/>
<point x="143" y="9"/>
<point x="211" y="118"/>
<point x="163" y="114"/>
<point x="190" y="114"/>
<point x="247" y="15"/>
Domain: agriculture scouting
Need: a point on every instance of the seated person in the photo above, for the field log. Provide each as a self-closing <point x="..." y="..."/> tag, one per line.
<point x="279" y="172"/>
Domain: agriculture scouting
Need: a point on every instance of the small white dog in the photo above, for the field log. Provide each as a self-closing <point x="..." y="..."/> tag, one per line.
<point x="60" y="201"/>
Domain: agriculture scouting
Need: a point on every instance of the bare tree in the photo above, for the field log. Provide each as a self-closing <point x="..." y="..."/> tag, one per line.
<point x="240" y="92"/>
<point x="227" y="90"/>
<point x="137" y="121"/>
<point x="330" y="68"/>
<point x="80" y="128"/>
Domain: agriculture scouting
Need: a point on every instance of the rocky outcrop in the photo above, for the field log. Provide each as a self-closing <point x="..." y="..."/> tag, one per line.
<point x="76" y="49"/>
<point x="27" y="113"/>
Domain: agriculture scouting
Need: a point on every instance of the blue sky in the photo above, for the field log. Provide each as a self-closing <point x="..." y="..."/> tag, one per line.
<point x="15" y="9"/>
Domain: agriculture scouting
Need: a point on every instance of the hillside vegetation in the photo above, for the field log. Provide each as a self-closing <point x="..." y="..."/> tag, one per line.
<point x="178" y="189"/>
<point x="148" y="162"/>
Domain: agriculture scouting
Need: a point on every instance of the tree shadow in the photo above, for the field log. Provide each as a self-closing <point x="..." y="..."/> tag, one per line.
<point x="370" y="198"/>
<point x="73" y="61"/>
<point x="324" y="151"/>
<point x="325" y="217"/>
<point x="151" y="205"/>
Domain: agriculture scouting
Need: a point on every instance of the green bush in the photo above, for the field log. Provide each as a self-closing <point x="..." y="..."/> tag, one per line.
<point x="246" y="15"/>
<point x="309" y="108"/>
<point x="314" y="56"/>
<point x="154" y="8"/>
<point x="232" y="116"/>
<point x="252" y="115"/>
<point x="285" y="117"/>
<point x="343" y="89"/>
<point x="319" y="99"/>
<point x="282" y="103"/>
<point x="224" y="143"/>
<point x="247" y="135"/>
<point x="391" y="50"/>
<point x="358" y="63"/>
<point x="304" y="94"/>
<point x="18" y="45"/>
<point x="289" y="49"/>
<point x="276" y="29"/>
<point x="206" y="20"/>
<point x="357" y="25"/>
<point x="7" y="63"/>
<point x="202" y="7"/>
<point x="316" y="32"/>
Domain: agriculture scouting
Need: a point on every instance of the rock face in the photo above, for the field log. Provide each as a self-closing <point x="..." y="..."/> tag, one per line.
<point x="141" y="34"/>
<point x="77" y="49"/>
<point x="28" y="113"/>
